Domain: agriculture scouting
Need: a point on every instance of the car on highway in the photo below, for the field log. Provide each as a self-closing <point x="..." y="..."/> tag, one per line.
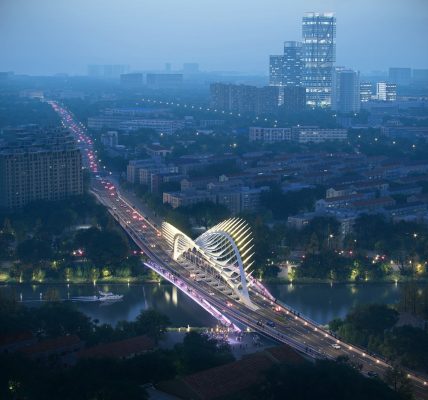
<point x="270" y="323"/>
<point x="336" y="346"/>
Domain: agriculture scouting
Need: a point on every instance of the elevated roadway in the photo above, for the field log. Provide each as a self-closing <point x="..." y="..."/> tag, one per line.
<point x="268" y="316"/>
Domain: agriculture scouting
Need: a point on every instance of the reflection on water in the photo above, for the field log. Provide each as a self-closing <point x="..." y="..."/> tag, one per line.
<point x="321" y="302"/>
<point x="165" y="298"/>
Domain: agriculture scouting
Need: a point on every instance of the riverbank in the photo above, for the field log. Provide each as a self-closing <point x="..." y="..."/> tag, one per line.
<point x="310" y="281"/>
<point x="115" y="280"/>
<point x="4" y="278"/>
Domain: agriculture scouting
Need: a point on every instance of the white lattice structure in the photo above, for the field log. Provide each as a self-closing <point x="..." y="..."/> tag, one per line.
<point x="227" y="247"/>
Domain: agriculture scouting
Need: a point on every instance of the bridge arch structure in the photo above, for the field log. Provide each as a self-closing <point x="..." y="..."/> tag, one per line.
<point x="227" y="247"/>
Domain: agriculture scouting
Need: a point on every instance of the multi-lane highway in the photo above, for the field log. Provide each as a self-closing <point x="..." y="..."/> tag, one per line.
<point x="269" y="317"/>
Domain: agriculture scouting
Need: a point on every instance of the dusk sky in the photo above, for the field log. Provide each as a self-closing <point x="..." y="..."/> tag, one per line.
<point x="50" y="36"/>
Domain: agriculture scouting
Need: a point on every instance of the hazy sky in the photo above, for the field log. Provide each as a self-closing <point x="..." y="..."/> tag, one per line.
<point x="49" y="36"/>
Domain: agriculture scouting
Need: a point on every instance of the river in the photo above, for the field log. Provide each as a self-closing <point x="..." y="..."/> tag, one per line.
<point x="320" y="302"/>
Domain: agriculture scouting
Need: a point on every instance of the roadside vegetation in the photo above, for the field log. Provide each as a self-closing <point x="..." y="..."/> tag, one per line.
<point x="375" y="328"/>
<point x="69" y="241"/>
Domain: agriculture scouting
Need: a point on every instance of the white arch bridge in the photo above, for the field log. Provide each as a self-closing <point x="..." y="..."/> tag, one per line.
<point x="226" y="250"/>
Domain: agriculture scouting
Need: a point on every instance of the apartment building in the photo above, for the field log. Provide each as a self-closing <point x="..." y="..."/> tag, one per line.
<point x="39" y="165"/>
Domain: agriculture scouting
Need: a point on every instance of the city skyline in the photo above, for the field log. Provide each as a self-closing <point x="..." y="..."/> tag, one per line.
<point x="42" y="38"/>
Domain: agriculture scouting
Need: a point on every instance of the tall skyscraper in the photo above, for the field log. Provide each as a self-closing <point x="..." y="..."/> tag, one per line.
<point x="276" y="70"/>
<point x="345" y="91"/>
<point x="319" y="55"/>
<point x="292" y="64"/>
<point x="286" y="70"/>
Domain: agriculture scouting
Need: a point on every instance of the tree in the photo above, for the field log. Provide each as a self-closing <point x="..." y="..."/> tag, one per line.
<point x="397" y="379"/>
<point x="151" y="323"/>
<point x="313" y="245"/>
<point x="322" y="380"/>
<point x="199" y="351"/>
<point x="102" y="247"/>
<point x="407" y="345"/>
<point x="33" y="251"/>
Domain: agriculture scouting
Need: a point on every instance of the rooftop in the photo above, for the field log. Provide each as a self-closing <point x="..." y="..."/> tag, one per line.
<point x="225" y="380"/>
<point x="49" y="345"/>
<point x="121" y="349"/>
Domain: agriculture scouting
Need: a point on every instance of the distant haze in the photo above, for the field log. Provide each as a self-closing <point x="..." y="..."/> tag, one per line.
<point x="50" y="36"/>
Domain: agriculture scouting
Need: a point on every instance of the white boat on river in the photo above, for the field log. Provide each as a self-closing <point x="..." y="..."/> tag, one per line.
<point x="102" y="297"/>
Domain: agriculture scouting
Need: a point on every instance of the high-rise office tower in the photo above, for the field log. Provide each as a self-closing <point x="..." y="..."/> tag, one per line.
<point x="319" y="55"/>
<point x="286" y="70"/>
<point x="345" y="97"/>
<point x="386" y="91"/>
<point x="276" y="70"/>
<point x="292" y="64"/>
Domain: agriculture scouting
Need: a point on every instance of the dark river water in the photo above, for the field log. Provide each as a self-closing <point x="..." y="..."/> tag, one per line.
<point x="320" y="302"/>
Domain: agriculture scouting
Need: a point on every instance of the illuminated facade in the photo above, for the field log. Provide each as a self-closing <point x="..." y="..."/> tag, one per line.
<point x="386" y="91"/>
<point x="226" y="249"/>
<point x="319" y="55"/>
<point x="366" y="91"/>
<point x="292" y="68"/>
<point x="276" y="70"/>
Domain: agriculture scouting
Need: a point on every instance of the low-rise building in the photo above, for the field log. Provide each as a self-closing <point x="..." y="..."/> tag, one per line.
<point x="156" y="150"/>
<point x="188" y="198"/>
<point x="313" y="134"/>
<point x="145" y="173"/>
<point x="269" y="135"/>
<point x="235" y="199"/>
<point x="373" y="205"/>
<point x="128" y="123"/>
<point x="411" y="211"/>
<point x="109" y="139"/>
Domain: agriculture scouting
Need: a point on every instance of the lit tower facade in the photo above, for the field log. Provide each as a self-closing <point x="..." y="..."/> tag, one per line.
<point x="319" y="55"/>
<point x="292" y="68"/>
